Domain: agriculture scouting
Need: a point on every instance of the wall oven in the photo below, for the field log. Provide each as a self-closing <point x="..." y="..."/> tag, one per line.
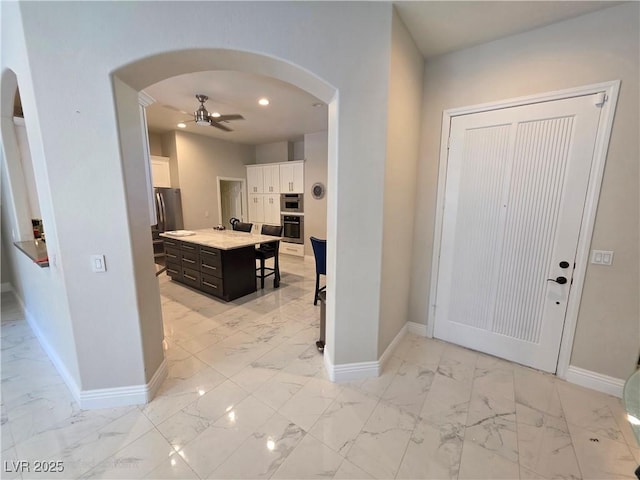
<point x="293" y="228"/>
<point x="291" y="202"/>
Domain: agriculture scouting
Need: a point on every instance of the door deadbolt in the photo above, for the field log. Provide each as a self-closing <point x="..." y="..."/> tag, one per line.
<point x="560" y="280"/>
<point x="564" y="264"/>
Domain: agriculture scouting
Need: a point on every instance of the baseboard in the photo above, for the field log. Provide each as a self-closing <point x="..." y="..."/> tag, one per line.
<point x="417" y="329"/>
<point x="388" y="352"/>
<point x="103" y="397"/>
<point x="355" y="371"/>
<point x="52" y="354"/>
<point x="6" y="287"/>
<point x="595" y="381"/>
<point x="123" y="396"/>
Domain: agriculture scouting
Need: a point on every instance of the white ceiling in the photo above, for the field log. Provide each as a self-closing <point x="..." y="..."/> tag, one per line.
<point x="445" y="26"/>
<point x="437" y="27"/>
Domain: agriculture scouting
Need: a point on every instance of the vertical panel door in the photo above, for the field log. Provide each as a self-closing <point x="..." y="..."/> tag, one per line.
<point x="515" y="193"/>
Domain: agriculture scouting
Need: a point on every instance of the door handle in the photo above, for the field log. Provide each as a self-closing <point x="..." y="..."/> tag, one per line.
<point x="560" y="280"/>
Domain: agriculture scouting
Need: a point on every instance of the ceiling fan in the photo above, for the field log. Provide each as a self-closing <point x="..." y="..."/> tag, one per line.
<point x="203" y="117"/>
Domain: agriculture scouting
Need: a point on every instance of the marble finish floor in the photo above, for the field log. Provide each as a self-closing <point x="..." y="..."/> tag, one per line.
<point x="247" y="397"/>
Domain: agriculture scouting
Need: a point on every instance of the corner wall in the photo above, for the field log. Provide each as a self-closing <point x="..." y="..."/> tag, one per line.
<point x="590" y="49"/>
<point x="403" y="139"/>
<point x="315" y="170"/>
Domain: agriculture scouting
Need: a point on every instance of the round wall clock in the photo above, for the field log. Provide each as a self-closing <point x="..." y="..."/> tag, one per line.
<point x="317" y="191"/>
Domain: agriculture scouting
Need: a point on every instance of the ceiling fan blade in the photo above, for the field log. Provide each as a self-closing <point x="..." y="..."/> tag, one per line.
<point x="224" y="118"/>
<point x="221" y="127"/>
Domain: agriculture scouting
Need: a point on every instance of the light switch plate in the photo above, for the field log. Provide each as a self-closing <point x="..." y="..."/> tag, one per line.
<point x="602" y="257"/>
<point x="97" y="263"/>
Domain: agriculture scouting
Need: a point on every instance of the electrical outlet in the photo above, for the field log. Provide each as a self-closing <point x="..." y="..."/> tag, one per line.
<point x="602" y="257"/>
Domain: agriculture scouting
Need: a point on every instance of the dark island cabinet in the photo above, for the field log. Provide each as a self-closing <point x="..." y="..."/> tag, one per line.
<point x="226" y="274"/>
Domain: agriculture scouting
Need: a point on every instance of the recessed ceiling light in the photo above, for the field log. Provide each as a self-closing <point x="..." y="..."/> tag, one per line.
<point x="264" y="102"/>
<point x="215" y="114"/>
<point x="182" y="125"/>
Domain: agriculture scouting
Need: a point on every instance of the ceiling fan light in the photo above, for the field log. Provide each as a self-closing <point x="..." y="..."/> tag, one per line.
<point x="201" y="116"/>
<point x="215" y="114"/>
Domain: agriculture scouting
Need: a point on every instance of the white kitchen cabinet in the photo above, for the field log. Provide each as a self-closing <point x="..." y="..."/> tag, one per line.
<point x="271" y="178"/>
<point x="255" y="179"/>
<point x="264" y="208"/>
<point x="256" y="208"/>
<point x="160" y="171"/>
<point x="272" y="209"/>
<point x="292" y="177"/>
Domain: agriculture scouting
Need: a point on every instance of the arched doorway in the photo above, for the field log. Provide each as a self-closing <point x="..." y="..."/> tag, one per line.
<point x="128" y="82"/>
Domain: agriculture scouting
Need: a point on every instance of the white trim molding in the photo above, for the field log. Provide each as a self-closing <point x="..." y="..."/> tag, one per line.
<point x="52" y="354"/>
<point x="102" y="397"/>
<point x="417" y="329"/>
<point x="124" y="396"/>
<point x="357" y="371"/>
<point x="595" y="381"/>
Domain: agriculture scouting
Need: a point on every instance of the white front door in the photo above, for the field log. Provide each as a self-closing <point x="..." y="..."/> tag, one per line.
<point x="514" y="198"/>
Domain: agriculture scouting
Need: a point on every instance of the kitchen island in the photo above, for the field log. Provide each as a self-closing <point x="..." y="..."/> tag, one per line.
<point x="221" y="263"/>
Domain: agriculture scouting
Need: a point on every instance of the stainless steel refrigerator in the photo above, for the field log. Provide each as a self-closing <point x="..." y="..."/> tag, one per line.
<point x="169" y="215"/>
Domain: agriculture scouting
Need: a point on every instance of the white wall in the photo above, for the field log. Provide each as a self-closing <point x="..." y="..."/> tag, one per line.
<point x="403" y="134"/>
<point x="42" y="291"/>
<point x="274" y="152"/>
<point x="598" y="47"/>
<point x="200" y="160"/>
<point x="27" y="166"/>
<point x="315" y="170"/>
<point x="155" y="144"/>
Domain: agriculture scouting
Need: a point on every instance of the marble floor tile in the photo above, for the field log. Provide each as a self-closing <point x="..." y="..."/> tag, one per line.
<point x="173" y="467"/>
<point x="433" y="451"/>
<point x="263" y="452"/>
<point x="279" y="389"/>
<point x="544" y="444"/>
<point x="214" y="445"/>
<point x="478" y="463"/>
<point x="309" y="402"/>
<point x="408" y="389"/>
<point x="380" y="446"/>
<point x="247" y="396"/>
<point x="589" y="410"/>
<point x="421" y="351"/>
<point x="600" y="457"/>
<point x="93" y="449"/>
<point x="136" y="460"/>
<point x="196" y="417"/>
<point x="312" y="459"/>
<point x="348" y="471"/>
<point x="341" y="423"/>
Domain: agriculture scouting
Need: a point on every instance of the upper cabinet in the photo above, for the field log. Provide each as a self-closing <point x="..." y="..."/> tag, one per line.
<point x="286" y="177"/>
<point x="292" y="177"/>
<point x="255" y="178"/>
<point x="271" y="179"/>
<point x="160" y="171"/>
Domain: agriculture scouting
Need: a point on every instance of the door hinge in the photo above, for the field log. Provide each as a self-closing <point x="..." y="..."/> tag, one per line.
<point x="601" y="99"/>
<point x="448" y="143"/>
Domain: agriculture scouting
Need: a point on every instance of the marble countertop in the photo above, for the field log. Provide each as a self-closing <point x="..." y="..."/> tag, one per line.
<point x="36" y="250"/>
<point x="222" y="239"/>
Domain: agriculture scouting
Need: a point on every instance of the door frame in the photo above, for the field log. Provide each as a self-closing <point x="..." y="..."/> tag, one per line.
<point x="610" y="89"/>
<point x="243" y="196"/>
